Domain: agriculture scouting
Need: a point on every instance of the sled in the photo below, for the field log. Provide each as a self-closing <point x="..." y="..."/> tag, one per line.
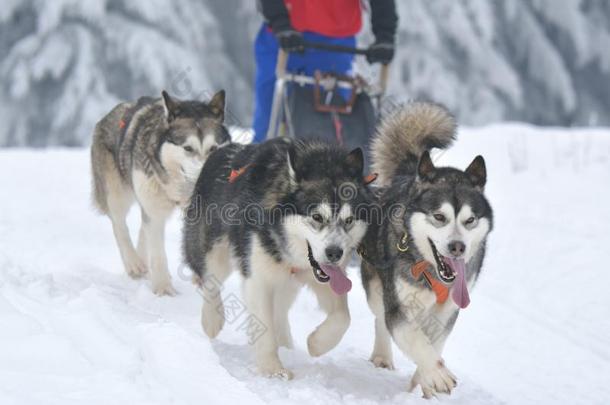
<point x="326" y="106"/>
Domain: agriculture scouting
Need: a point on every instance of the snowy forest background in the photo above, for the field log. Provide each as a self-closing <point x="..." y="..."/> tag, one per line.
<point x="65" y="63"/>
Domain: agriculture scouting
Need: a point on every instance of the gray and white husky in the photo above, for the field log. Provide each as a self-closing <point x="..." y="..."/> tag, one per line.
<point x="420" y="261"/>
<point x="285" y="213"/>
<point x="152" y="151"/>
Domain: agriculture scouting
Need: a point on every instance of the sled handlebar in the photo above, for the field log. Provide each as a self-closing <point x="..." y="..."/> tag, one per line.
<point x="282" y="77"/>
<point x="282" y="60"/>
<point x="335" y="48"/>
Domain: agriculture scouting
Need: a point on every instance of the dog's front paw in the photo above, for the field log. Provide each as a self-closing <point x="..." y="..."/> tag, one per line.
<point x="433" y="379"/>
<point x="212" y="319"/>
<point x="135" y="267"/>
<point x="328" y="334"/>
<point x="318" y="344"/>
<point x="163" y="288"/>
<point x="382" y="361"/>
<point x="275" y="370"/>
<point x="282" y="374"/>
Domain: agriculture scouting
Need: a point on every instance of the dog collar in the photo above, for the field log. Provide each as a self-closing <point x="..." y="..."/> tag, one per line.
<point x="419" y="270"/>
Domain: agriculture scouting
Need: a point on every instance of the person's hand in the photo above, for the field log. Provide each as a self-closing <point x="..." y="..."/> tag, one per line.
<point x="381" y="52"/>
<point x="291" y="41"/>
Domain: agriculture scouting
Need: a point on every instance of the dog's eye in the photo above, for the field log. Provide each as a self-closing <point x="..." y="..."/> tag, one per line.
<point x="317" y="218"/>
<point x="470" y="221"/>
<point x="348" y="220"/>
<point x="213" y="148"/>
<point x="189" y="149"/>
<point x="440" y="217"/>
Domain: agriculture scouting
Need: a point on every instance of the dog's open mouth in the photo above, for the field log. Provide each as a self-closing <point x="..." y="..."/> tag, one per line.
<point x="318" y="273"/>
<point x="325" y="273"/>
<point x="453" y="270"/>
<point x="445" y="271"/>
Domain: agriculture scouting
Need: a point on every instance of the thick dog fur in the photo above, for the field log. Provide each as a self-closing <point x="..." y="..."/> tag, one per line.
<point x="422" y="206"/>
<point x="412" y="130"/>
<point x="291" y="196"/>
<point x="152" y="151"/>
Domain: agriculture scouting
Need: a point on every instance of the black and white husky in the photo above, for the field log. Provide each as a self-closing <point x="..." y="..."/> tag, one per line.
<point x="151" y="151"/>
<point x="420" y="261"/>
<point x="285" y="213"/>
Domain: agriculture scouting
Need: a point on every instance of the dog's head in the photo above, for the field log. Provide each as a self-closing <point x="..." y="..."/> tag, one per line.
<point x="194" y="129"/>
<point x="331" y="201"/>
<point x="449" y="216"/>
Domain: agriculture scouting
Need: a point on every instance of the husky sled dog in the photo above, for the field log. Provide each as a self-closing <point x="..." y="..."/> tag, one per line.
<point x="298" y="212"/>
<point x="421" y="260"/>
<point x="152" y="151"/>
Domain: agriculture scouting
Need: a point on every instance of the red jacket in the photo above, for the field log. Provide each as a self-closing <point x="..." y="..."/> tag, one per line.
<point x="333" y="18"/>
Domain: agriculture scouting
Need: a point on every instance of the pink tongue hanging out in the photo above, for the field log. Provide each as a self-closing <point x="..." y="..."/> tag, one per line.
<point x="339" y="283"/>
<point x="459" y="291"/>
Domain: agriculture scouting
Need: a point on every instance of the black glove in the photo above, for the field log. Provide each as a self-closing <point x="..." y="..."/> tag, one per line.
<point x="291" y="40"/>
<point x="382" y="52"/>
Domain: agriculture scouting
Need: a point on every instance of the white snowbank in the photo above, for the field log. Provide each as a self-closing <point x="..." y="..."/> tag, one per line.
<point x="75" y="329"/>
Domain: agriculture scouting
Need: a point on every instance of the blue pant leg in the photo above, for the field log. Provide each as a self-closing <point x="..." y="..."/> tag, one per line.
<point x="265" y="54"/>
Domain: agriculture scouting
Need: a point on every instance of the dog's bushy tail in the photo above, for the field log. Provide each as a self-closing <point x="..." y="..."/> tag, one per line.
<point x="404" y="134"/>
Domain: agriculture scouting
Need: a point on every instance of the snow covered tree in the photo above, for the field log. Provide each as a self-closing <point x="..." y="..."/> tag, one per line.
<point x="64" y="63"/>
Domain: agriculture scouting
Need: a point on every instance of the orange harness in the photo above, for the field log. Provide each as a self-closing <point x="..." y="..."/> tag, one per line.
<point x="441" y="290"/>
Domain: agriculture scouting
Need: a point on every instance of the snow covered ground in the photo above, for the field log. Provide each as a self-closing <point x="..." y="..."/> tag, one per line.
<point x="75" y="329"/>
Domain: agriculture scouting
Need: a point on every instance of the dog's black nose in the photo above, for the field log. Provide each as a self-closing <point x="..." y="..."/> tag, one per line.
<point x="334" y="253"/>
<point x="456" y="248"/>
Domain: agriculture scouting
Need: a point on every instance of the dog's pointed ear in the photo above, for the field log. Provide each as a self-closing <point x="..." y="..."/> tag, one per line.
<point x="292" y="155"/>
<point x="171" y="106"/>
<point x="355" y="162"/>
<point x="425" y="167"/>
<point x="477" y="172"/>
<point x="217" y="105"/>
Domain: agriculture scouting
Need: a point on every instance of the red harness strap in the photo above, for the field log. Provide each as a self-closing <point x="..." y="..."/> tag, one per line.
<point x="130" y="112"/>
<point x="441" y="290"/>
<point x="235" y="173"/>
<point x="368" y="179"/>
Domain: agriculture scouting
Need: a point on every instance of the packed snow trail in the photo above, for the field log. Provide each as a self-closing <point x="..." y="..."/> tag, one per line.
<point x="74" y="328"/>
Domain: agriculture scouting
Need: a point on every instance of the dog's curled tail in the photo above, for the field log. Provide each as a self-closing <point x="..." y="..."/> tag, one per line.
<point x="405" y="134"/>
